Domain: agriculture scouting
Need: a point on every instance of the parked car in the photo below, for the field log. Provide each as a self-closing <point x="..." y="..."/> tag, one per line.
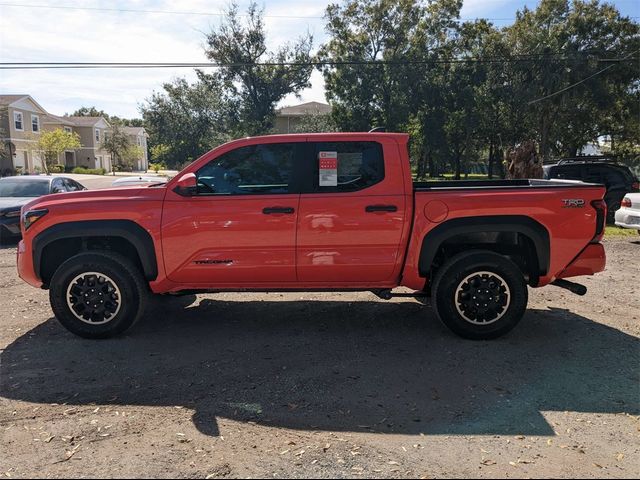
<point x="629" y="214"/>
<point x="139" y="180"/>
<point x="320" y="212"/>
<point x="17" y="191"/>
<point x="618" y="178"/>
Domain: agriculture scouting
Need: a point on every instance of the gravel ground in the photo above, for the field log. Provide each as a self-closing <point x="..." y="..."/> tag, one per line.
<point x="326" y="385"/>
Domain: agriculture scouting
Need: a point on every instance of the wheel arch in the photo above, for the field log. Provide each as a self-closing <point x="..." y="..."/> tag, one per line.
<point x="532" y="232"/>
<point x="67" y="238"/>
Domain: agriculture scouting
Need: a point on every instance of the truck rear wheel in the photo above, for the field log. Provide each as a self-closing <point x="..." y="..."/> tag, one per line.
<point x="480" y="295"/>
<point x="97" y="294"/>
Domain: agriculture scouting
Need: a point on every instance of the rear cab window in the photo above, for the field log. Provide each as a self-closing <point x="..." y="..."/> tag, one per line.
<point x="351" y="166"/>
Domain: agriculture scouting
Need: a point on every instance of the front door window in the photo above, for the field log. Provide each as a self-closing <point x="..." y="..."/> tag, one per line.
<point x="257" y="169"/>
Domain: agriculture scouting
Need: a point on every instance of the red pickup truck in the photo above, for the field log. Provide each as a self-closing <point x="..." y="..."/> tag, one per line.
<point x="316" y="212"/>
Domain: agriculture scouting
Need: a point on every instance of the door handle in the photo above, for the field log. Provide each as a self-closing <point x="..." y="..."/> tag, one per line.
<point x="274" y="210"/>
<point x="381" y="208"/>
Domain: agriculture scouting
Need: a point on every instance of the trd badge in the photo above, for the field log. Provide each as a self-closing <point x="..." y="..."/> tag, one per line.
<point x="573" y="203"/>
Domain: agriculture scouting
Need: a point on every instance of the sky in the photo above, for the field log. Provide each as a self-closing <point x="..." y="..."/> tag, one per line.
<point x="75" y="31"/>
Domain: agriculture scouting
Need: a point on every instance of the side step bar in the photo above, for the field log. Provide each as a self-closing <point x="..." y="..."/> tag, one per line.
<point x="387" y="294"/>
<point x="571" y="286"/>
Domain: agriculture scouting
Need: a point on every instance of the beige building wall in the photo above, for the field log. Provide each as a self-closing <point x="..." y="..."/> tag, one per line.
<point x="140" y="140"/>
<point x="25" y="139"/>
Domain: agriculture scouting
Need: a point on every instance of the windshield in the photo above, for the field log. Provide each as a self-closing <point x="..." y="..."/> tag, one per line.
<point x="22" y="188"/>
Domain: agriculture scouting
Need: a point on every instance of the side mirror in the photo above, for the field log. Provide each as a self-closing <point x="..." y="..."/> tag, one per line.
<point x="57" y="190"/>
<point x="187" y="185"/>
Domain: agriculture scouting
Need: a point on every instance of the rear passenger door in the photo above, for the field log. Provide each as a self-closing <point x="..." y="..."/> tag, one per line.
<point x="351" y="214"/>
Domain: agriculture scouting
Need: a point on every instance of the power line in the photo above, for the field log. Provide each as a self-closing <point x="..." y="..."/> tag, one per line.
<point x="581" y="81"/>
<point x="144" y="65"/>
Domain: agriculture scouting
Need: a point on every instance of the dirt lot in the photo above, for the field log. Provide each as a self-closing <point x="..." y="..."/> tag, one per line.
<point x="344" y="385"/>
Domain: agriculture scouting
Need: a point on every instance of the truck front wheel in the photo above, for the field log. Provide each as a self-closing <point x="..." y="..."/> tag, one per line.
<point x="97" y="294"/>
<point x="480" y="295"/>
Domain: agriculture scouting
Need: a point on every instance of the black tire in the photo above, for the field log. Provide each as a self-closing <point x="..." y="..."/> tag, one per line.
<point x="611" y="212"/>
<point x="460" y="278"/>
<point x="120" y="294"/>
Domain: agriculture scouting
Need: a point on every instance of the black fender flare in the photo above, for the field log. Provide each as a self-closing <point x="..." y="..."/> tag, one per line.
<point x="127" y="229"/>
<point x="527" y="226"/>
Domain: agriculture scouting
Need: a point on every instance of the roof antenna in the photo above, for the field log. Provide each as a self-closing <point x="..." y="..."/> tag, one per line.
<point x="378" y="130"/>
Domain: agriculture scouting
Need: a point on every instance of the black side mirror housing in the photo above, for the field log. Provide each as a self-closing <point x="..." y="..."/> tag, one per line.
<point x="187" y="185"/>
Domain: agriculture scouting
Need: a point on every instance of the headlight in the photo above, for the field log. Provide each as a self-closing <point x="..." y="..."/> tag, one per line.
<point x="32" y="216"/>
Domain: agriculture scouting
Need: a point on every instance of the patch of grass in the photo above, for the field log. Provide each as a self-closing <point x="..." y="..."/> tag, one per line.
<point x="89" y="171"/>
<point x="620" y="232"/>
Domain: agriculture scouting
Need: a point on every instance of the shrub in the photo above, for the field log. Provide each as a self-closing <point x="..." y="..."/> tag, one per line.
<point x="56" y="169"/>
<point x="156" y="167"/>
<point x="89" y="171"/>
<point x="122" y="168"/>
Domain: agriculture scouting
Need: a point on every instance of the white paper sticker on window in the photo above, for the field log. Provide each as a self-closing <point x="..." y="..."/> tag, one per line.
<point x="328" y="167"/>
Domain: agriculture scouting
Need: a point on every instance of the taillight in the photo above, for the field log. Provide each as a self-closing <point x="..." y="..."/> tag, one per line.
<point x="601" y="218"/>
<point x="626" y="202"/>
<point x="635" y="186"/>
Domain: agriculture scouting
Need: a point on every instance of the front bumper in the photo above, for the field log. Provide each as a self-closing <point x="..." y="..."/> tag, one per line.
<point x="25" y="266"/>
<point x="590" y="261"/>
<point x="10" y="226"/>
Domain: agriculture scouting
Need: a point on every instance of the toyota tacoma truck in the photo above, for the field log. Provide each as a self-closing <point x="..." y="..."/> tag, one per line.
<point x="312" y="212"/>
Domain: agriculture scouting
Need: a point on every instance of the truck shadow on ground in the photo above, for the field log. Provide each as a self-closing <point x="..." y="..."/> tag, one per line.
<point x="338" y="366"/>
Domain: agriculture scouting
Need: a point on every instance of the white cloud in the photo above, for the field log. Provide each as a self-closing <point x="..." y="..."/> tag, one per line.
<point x="69" y="35"/>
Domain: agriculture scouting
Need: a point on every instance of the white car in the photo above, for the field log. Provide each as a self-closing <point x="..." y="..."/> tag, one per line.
<point x="629" y="214"/>
<point x="139" y="180"/>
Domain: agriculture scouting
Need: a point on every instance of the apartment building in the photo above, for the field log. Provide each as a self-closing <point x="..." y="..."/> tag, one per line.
<point x="22" y="120"/>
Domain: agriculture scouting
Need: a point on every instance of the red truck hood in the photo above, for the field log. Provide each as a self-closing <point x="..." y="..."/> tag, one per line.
<point x="107" y="195"/>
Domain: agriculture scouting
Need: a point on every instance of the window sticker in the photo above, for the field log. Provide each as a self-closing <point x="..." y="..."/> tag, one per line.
<point x="328" y="168"/>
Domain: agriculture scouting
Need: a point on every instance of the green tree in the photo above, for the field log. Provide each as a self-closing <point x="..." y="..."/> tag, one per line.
<point x="256" y="77"/>
<point x="6" y="162"/>
<point x="186" y="120"/>
<point x="362" y="94"/>
<point x="433" y="89"/>
<point x="569" y="98"/>
<point x="315" y="123"/>
<point x="541" y="78"/>
<point x="94" y="112"/>
<point x="53" y="143"/>
<point x="119" y="147"/>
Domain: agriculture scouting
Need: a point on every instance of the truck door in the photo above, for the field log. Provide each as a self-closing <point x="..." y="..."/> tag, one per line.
<point x="240" y="227"/>
<point x="351" y="214"/>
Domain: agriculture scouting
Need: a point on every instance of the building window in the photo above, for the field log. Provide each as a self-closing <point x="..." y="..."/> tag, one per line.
<point x="97" y="135"/>
<point x="67" y="129"/>
<point x="35" y="123"/>
<point x="17" y="121"/>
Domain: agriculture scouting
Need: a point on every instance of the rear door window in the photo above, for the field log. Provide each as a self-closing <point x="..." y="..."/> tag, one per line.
<point x="567" y="173"/>
<point x="71" y="186"/>
<point x="57" y="186"/>
<point x="604" y="175"/>
<point x="346" y="166"/>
